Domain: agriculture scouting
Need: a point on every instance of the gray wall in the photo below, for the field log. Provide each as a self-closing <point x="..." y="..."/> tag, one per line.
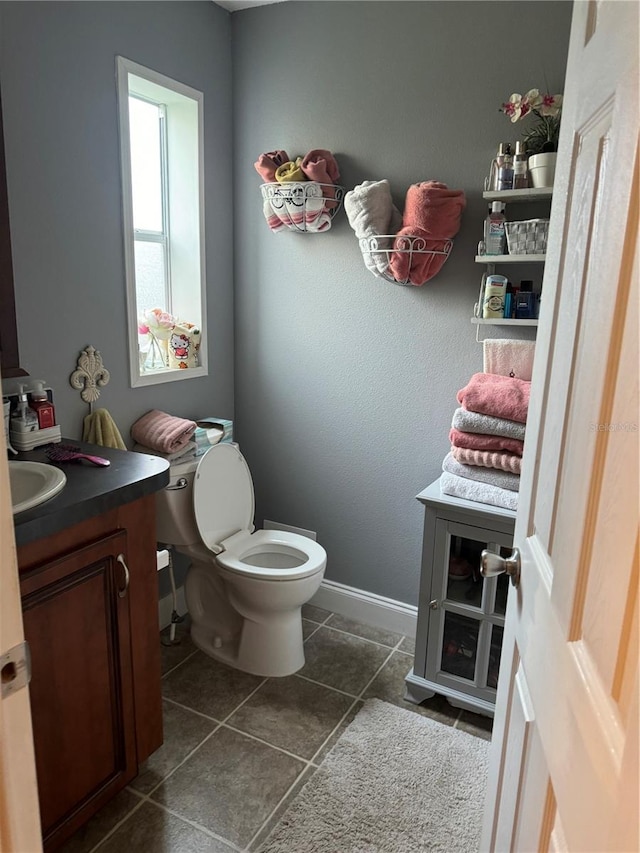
<point x="57" y="72"/>
<point x="345" y="385"/>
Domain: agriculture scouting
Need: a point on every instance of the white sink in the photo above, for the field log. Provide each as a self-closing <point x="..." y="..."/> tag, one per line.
<point x="33" y="483"/>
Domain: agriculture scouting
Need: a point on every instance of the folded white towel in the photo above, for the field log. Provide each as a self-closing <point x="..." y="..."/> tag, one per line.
<point x="501" y="479"/>
<point x="371" y="211"/>
<point x="472" y="490"/>
<point x="467" y="421"/>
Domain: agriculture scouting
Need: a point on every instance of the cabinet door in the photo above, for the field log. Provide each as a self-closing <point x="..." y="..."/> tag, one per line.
<point x="465" y="630"/>
<point x="76" y="621"/>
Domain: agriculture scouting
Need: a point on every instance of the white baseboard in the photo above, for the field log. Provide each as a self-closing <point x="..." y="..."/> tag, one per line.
<point x="347" y="601"/>
<point x="165" y="607"/>
<point x="367" y="607"/>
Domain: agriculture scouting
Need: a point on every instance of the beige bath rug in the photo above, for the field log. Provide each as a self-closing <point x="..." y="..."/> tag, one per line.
<point x="394" y="782"/>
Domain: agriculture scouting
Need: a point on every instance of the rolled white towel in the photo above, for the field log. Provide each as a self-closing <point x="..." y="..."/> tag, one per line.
<point x="371" y="212"/>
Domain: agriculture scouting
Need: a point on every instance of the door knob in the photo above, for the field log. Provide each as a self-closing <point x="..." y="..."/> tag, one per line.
<point x="493" y="564"/>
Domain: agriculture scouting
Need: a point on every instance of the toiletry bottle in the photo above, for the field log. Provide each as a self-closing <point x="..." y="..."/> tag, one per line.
<point x="494" y="230"/>
<point x="505" y="170"/>
<point x="496" y="163"/>
<point x="520" y="168"/>
<point x="494" y="293"/>
<point x="508" y="301"/>
<point x="23" y="419"/>
<point x="41" y="406"/>
<point x="525" y="301"/>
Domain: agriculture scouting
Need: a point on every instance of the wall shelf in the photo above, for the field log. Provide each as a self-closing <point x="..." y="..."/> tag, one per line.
<point x="510" y="259"/>
<point x="529" y="194"/>
<point x="512" y="321"/>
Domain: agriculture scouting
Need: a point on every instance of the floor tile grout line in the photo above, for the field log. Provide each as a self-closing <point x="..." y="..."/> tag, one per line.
<point x="192" y="710"/>
<point x="375" y="675"/>
<point x="186" y="758"/>
<point x="197" y="826"/>
<point x="332" y="733"/>
<point x="328" y="686"/>
<point x="276" y="807"/>
<point x="184" y="660"/>
<point x="265" y="743"/>
<point x="357" y="636"/>
<point x="118" y="825"/>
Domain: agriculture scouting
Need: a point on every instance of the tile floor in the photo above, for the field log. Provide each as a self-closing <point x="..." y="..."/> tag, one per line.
<point x="237" y="748"/>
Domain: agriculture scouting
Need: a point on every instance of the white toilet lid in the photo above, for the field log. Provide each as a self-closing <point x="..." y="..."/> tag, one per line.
<point x="223" y="499"/>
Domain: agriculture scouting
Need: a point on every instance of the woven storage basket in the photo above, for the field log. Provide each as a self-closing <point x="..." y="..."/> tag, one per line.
<point x="528" y="237"/>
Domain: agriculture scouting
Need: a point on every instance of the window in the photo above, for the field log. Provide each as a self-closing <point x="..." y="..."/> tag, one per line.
<point x="161" y="142"/>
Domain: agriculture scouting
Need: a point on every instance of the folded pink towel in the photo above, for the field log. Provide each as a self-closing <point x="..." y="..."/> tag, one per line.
<point x="432" y="211"/>
<point x="478" y="441"/>
<point x="320" y="165"/>
<point x="499" y="396"/>
<point x="266" y="164"/>
<point x="162" y="432"/>
<point x="487" y="459"/>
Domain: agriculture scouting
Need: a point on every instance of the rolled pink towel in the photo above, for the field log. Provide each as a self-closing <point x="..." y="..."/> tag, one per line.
<point x="266" y="164"/>
<point x="477" y="441"/>
<point x="432" y="211"/>
<point x="162" y="432"/>
<point x="488" y="459"/>
<point x="499" y="396"/>
<point x="320" y="165"/>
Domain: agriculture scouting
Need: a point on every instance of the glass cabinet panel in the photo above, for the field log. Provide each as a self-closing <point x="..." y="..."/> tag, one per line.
<point x="494" y="656"/>
<point x="464" y="581"/>
<point x="460" y="645"/>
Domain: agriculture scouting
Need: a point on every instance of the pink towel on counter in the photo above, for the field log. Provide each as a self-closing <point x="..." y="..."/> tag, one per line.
<point x="267" y="164"/>
<point x="488" y="459"/>
<point x="160" y="431"/>
<point x="432" y="211"/>
<point x="320" y="165"/>
<point x="477" y="441"/>
<point x="499" y="396"/>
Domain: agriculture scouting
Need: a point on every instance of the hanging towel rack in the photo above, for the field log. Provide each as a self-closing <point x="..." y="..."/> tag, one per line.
<point x="90" y="375"/>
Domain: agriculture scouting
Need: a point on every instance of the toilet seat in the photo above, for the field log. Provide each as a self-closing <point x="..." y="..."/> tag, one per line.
<point x="297" y="556"/>
<point x="224" y="507"/>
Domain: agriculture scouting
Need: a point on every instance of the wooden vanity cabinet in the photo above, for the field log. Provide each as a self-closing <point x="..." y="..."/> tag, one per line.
<point x="90" y="607"/>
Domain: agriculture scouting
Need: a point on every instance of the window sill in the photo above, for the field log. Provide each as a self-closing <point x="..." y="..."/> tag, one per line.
<point x="139" y="381"/>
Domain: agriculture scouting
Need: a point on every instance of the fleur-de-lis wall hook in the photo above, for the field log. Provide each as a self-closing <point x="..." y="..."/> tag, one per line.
<point x="90" y="376"/>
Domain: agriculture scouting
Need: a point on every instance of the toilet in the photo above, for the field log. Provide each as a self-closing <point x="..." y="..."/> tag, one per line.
<point x="245" y="587"/>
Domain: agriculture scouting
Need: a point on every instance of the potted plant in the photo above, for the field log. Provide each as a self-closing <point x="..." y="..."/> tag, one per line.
<point x="541" y="139"/>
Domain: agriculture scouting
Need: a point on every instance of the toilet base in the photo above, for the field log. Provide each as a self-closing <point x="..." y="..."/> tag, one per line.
<point x="270" y="650"/>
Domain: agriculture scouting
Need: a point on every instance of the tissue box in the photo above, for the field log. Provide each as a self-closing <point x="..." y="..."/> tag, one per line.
<point x="211" y="431"/>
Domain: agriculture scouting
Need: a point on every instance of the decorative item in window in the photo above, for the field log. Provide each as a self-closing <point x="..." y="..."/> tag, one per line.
<point x="301" y="195"/>
<point x="422" y="241"/>
<point x="167" y="342"/>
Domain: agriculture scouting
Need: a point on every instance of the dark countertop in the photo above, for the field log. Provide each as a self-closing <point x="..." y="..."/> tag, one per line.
<point x="90" y="490"/>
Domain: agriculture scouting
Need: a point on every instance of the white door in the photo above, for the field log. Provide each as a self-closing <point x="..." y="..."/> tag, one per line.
<point x="19" y="810"/>
<point x="564" y="769"/>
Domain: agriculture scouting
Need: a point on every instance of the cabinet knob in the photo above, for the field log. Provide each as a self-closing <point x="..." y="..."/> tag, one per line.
<point x="434" y="604"/>
<point x="492" y="565"/>
<point x="122" y="592"/>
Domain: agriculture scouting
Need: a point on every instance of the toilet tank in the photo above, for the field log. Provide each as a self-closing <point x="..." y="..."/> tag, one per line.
<point x="175" y="520"/>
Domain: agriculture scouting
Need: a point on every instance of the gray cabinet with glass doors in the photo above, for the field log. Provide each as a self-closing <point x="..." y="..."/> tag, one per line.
<point x="460" y="613"/>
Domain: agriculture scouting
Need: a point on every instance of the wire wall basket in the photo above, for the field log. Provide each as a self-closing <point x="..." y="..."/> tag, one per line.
<point x="307" y="207"/>
<point x="404" y="259"/>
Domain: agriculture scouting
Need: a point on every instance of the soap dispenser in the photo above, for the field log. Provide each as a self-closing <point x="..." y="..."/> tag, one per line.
<point x="42" y="406"/>
<point x="24" y="419"/>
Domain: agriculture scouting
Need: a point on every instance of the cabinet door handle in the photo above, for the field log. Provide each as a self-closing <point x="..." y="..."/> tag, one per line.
<point x="122" y="592"/>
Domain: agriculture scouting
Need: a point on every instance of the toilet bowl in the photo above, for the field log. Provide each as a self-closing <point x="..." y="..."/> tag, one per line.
<point x="245" y="588"/>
